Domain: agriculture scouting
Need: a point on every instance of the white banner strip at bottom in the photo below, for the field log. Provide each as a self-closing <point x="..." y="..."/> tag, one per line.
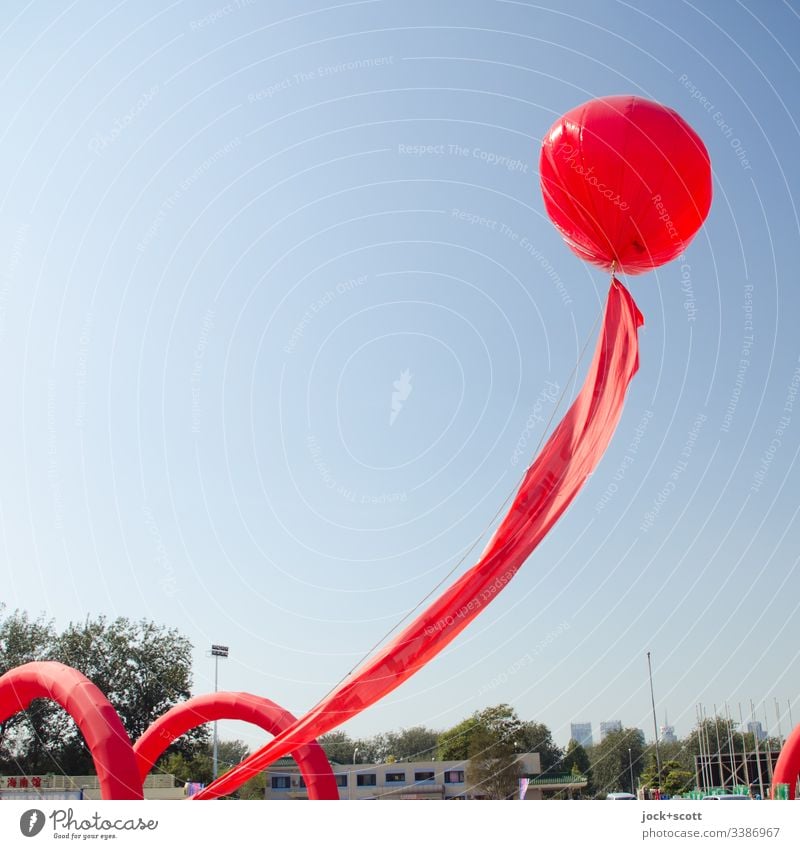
<point x="423" y="825"/>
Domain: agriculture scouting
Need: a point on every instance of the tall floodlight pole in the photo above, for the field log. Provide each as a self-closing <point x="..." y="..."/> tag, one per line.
<point x="655" y="720"/>
<point x="217" y="652"/>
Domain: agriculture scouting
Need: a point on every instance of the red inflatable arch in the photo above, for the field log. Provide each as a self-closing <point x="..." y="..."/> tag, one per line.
<point x="97" y="720"/>
<point x="787" y="769"/>
<point x="313" y="763"/>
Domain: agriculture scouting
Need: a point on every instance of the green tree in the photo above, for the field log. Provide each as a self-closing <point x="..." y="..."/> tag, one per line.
<point x="613" y="760"/>
<point x="255" y="788"/>
<point x="575" y="759"/>
<point x="576" y="762"/>
<point x="418" y="743"/>
<point x="229" y="753"/>
<point x="495" y="744"/>
<point x="454" y="743"/>
<point x="142" y="668"/>
<point x="199" y="765"/>
<point x="677" y="780"/>
<point x="24" y="738"/>
<point x="650" y="777"/>
<point x="338" y="746"/>
<point x="536" y="737"/>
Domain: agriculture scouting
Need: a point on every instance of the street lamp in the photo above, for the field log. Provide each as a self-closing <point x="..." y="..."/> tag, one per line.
<point x="351" y="775"/>
<point x="217" y="652"/>
<point x="655" y="721"/>
<point x="630" y="764"/>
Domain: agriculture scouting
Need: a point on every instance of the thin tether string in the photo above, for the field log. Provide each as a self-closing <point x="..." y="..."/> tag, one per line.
<point x="462" y="559"/>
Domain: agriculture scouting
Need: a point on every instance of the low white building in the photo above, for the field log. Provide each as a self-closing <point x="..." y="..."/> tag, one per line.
<point x="409" y="780"/>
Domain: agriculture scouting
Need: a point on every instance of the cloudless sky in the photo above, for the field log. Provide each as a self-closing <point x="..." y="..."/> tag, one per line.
<point x="229" y="230"/>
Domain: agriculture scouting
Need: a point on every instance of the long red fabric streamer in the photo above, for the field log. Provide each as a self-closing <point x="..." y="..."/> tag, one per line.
<point x="550" y="484"/>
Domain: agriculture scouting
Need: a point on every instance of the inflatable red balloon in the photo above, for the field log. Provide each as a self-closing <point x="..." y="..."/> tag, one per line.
<point x="627" y="182"/>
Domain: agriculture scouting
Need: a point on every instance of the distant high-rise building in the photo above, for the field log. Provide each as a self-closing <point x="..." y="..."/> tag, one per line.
<point x="756" y="729"/>
<point x="607" y="727"/>
<point x="667" y="734"/>
<point x="581" y="732"/>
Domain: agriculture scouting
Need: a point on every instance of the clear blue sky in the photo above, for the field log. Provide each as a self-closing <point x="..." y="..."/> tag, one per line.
<point x="228" y="230"/>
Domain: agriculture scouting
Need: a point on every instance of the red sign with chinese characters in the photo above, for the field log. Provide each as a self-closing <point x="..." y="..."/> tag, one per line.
<point x="20" y="782"/>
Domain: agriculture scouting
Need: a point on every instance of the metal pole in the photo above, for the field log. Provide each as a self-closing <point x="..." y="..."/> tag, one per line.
<point x="352" y="775"/>
<point x="701" y="743"/>
<point x="655" y="720"/>
<point x="630" y="764"/>
<point x="769" y="745"/>
<point x="758" y="753"/>
<point x="707" y="739"/>
<point x="719" y="749"/>
<point x="216" y="674"/>
<point x="734" y="768"/>
<point x="744" y="749"/>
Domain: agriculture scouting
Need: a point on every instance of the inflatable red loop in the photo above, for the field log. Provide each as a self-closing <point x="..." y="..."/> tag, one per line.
<point x="311" y="759"/>
<point x="105" y="735"/>
<point x="787" y="768"/>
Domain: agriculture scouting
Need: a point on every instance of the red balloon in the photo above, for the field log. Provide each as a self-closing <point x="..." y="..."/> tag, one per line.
<point x="627" y="182"/>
